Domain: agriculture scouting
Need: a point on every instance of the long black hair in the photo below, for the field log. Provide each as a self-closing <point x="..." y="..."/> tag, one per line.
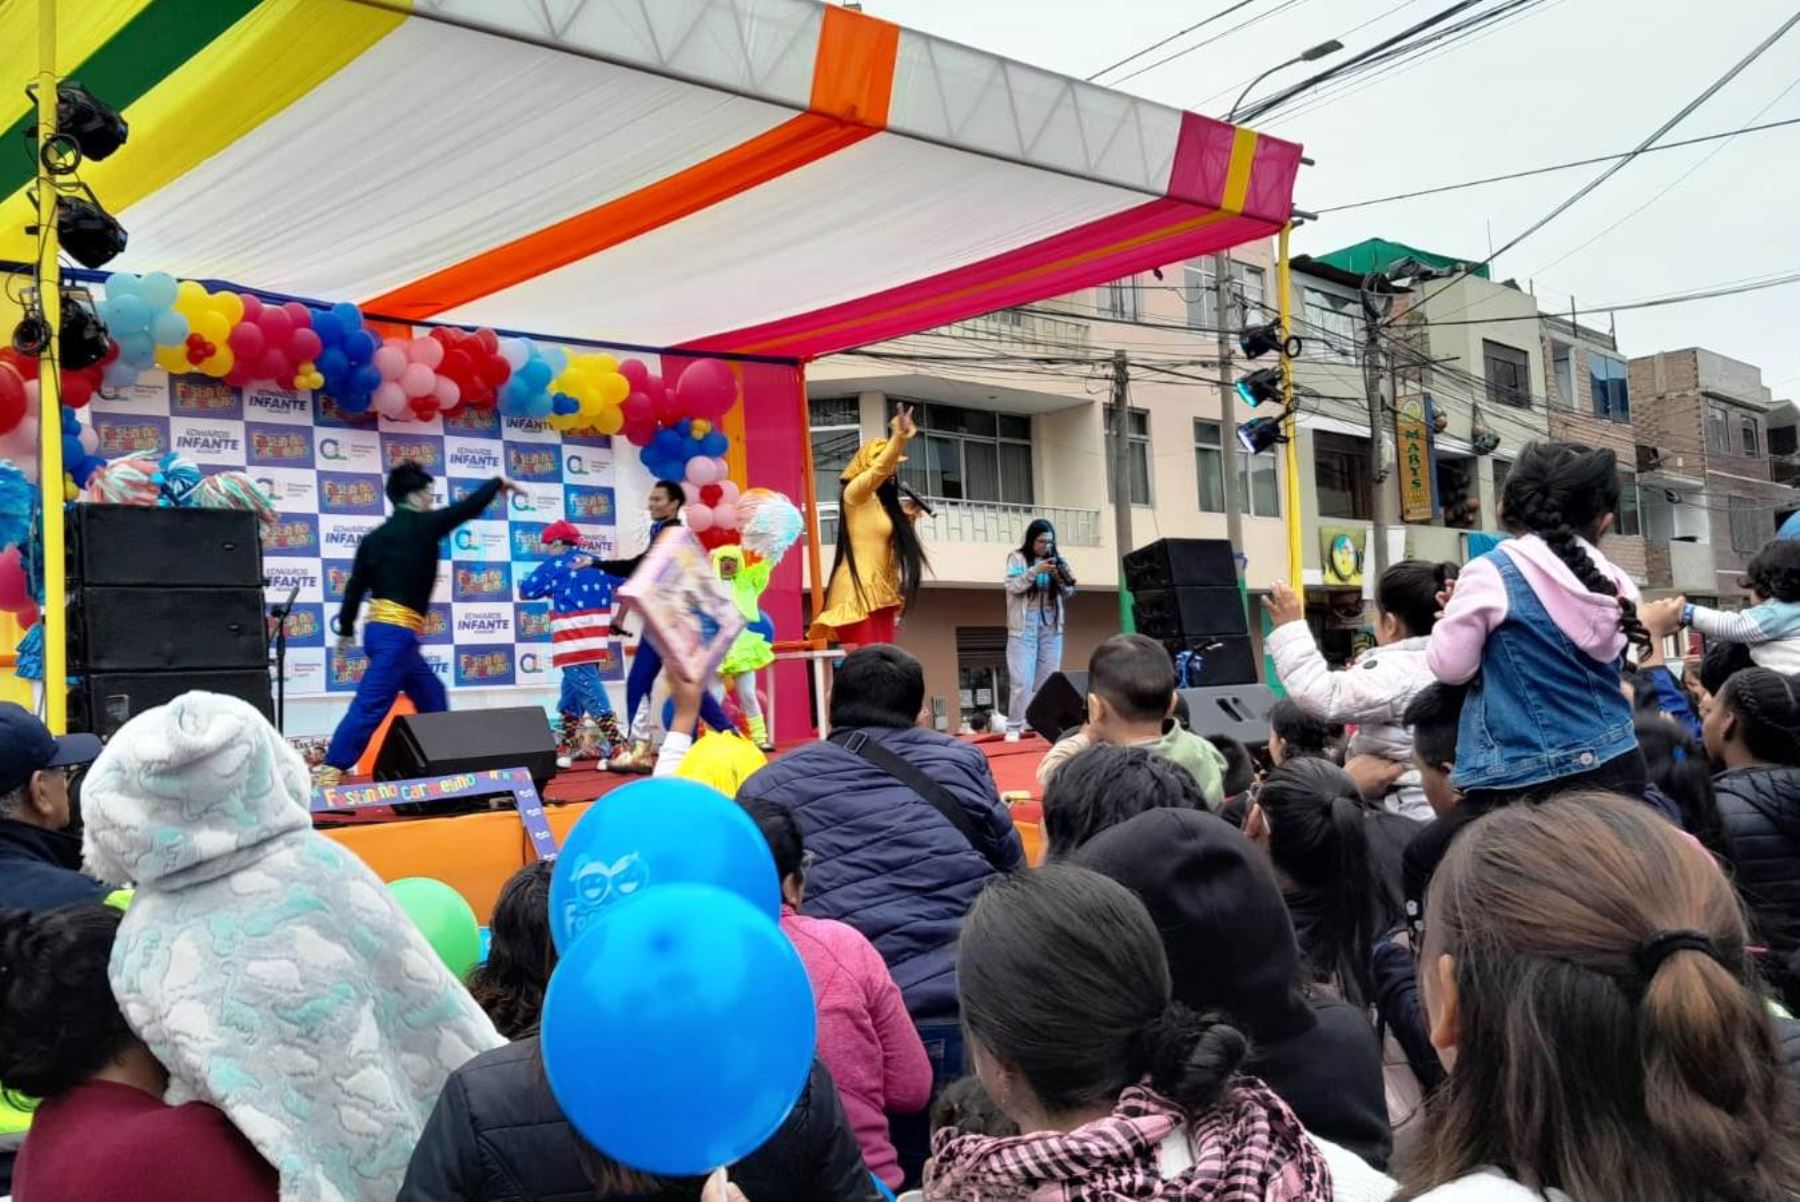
<point x="1062" y="975"/>
<point x="59" y="1022"/>
<point x="1562" y="491"/>
<point x="510" y="984"/>
<point x="909" y="552"/>
<point x="1409" y="591"/>
<point x="1038" y="526"/>
<point x="1767" y="707"/>
<point x="1678" y="766"/>
<point x="1318" y="838"/>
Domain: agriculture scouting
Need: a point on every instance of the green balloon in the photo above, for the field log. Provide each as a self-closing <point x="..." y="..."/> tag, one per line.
<point x="444" y="918"/>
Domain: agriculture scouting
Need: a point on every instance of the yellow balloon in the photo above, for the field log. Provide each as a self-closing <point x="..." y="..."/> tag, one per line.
<point x="231" y="305"/>
<point x="213" y="326"/>
<point x="614" y="388"/>
<point x="190" y="292"/>
<point x="563" y="421"/>
<point x="611" y="420"/>
<point x="590" y="408"/>
<point x="70" y="492"/>
<point x="702" y="427"/>
<point x="173" y="359"/>
<point x="220" y="363"/>
<point x="603" y="362"/>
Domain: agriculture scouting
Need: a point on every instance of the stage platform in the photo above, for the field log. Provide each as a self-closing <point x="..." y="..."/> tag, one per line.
<point x="476" y="853"/>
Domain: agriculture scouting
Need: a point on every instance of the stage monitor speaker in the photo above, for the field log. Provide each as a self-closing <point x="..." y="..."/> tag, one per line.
<point x="1060" y="706"/>
<point x="468" y="741"/>
<point x="138" y="545"/>
<point x="1217" y="658"/>
<point x="1189" y="610"/>
<point x="1178" y="562"/>
<point x="157" y="629"/>
<point x="1241" y="711"/>
<point x="105" y="701"/>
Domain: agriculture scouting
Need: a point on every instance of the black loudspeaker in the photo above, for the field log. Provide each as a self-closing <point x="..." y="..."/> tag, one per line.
<point x="135" y="545"/>
<point x="105" y="701"/>
<point x="150" y="629"/>
<point x="1178" y="562"/>
<point x="468" y="741"/>
<point x="1061" y="705"/>
<point x="1174" y="612"/>
<point x="1241" y="711"/>
<point x="1217" y="658"/>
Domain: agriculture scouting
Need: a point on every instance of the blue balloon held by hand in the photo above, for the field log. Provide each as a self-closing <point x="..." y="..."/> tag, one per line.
<point x="678" y="1033"/>
<point x="654" y="833"/>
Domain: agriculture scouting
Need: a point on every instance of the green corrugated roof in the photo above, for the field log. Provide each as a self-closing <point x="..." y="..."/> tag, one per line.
<point x="1376" y="253"/>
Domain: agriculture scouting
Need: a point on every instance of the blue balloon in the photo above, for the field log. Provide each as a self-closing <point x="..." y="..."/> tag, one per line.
<point x="332" y="363"/>
<point x="538" y="405"/>
<point x="359" y="345"/>
<point x="355" y="402"/>
<point x="535" y="375"/>
<point x="348" y="316"/>
<point x="678" y="1033"/>
<point x="656" y="832"/>
<point x="556" y="357"/>
<point x="714" y="445"/>
<point x="330" y="331"/>
<point x="72" y="452"/>
<point x="565" y="404"/>
<point x="487" y="943"/>
<point x="685" y="427"/>
<point x="364" y="377"/>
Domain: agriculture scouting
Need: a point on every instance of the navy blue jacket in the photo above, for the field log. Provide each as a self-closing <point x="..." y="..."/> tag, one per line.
<point x="41" y="869"/>
<point x="886" y="861"/>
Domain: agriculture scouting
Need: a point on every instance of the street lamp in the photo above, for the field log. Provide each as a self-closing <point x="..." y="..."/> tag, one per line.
<point x="1305" y="56"/>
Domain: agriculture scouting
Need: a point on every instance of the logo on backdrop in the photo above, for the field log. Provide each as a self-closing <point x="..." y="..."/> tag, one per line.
<point x="305" y="625"/>
<point x="469" y="420"/>
<point x="266" y="403"/>
<point x="459" y="489"/>
<point x="199" y="396"/>
<point x="437" y="623"/>
<point x="479" y="540"/>
<point x="120" y="435"/>
<point x="528" y="542"/>
<point x="536" y="463"/>
<point x="481" y="582"/>
<point x="342" y="493"/>
<point x="292" y="534"/>
<point x="484" y="665"/>
<point x="587" y="503"/>
<point x="531" y="664"/>
<point x="478" y="457"/>
<point x="341" y="534"/>
<point x="528" y="429"/>
<point x="278" y="446"/>
<point x="485" y="623"/>
<point x="284" y="578"/>
<point x="531" y="622"/>
<point x="426" y="450"/>
<point x="334" y="574"/>
<point x="208" y="441"/>
<point x="344" y="671"/>
<point x="327" y="413"/>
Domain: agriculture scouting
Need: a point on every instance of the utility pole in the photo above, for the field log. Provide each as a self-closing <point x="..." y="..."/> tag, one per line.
<point x="1377" y="466"/>
<point x="1228" y="448"/>
<point x="1121" y="476"/>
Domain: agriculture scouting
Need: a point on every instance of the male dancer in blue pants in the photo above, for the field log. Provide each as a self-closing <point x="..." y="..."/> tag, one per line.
<point x="396" y="564"/>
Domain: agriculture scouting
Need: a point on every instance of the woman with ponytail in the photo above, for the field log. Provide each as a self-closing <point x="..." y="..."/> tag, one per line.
<point x="1538" y="629"/>
<point x="1328" y="857"/>
<point x="1583" y="968"/>
<point x="1120" y="1092"/>
<point x="1752" y="734"/>
<point x="1375" y="692"/>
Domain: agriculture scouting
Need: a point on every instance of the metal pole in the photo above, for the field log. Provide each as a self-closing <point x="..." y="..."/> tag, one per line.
<point x="1377" y="469"/>
<point x="809" y="495"/>
<point x="50" y="461"/>
<point x="1296" y="533"/>
<point x="1121" y="474"/>
<point x="1234" y="504"/>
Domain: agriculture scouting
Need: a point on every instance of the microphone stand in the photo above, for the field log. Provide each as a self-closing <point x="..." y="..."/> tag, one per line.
<point x="280" y="614"/>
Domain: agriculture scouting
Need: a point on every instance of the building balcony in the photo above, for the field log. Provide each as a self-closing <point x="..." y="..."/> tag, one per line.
<point x="968" y="540"/>
<point x="1027" y="329"/>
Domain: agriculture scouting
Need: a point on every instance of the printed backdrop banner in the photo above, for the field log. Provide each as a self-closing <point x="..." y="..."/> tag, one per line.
<point x="325" y="470"/>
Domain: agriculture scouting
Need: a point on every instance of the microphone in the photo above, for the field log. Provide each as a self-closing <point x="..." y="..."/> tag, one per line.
<point x="916" y="499"/>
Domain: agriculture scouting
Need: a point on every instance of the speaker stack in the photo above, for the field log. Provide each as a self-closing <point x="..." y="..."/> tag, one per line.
<point x="163" y="601"/>
<point x="1185" y="596"/>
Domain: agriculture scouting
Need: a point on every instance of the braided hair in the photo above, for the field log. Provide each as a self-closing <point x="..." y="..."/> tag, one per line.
<point x="1767" y="705"/>
<point x="1562" y="492"/>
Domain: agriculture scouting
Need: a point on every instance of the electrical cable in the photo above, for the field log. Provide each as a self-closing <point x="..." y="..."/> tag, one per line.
<point x="1180" y="33"/>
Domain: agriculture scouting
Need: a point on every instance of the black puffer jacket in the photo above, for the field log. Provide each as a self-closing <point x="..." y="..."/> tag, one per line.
<point x="1759" y="807"/>
<point x="497" y="1135"/>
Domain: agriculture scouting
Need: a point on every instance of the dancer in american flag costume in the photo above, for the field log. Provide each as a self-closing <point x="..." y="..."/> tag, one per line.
<point x="581" y="599"/>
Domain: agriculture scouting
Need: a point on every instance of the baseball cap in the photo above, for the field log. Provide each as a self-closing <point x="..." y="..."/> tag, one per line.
<point x="561" y="531"/>
<point x="27" y="746"/>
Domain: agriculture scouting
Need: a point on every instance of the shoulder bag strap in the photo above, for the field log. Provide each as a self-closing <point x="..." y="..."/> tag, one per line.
<point x="858" y="743"/>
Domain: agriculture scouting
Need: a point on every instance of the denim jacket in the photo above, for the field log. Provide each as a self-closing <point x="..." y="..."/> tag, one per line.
<point x="1541" y="708"/>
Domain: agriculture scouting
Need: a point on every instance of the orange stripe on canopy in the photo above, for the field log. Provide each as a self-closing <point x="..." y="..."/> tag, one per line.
<point x="853" y="78"/>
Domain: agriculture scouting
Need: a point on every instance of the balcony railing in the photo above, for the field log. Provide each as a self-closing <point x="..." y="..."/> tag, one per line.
<point x="1031" y="329"/>
<point x="961" y="521"/>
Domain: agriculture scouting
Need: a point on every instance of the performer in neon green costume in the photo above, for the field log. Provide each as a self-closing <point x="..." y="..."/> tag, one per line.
<point x="754" y="648"/>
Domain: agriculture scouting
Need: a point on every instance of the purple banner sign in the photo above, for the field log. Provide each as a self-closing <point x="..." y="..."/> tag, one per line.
<point x="516" y="781"/>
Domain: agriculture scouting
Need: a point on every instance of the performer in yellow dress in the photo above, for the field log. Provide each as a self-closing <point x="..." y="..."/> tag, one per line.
<point x="875" y="574"/>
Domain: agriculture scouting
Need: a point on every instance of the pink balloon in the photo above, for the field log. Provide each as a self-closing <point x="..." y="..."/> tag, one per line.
<point x="15" y="594"/>
<point x="449" y="396"/>
<point x="692" y="491"/>
<point x="728" y="491"/>
<point x="390" y="400"/>
<point x="299" y="314"/>
<point x="700" y="470"/>
<point x="699" y="518"/>
<point x="19" y="444"/>
<point x="428" y="351"/>
<point x="635" y="371"/>
<point x="390" y="359"/>
<point x="90" y="439"/>
<point x="418" y="380"/>
<point x="305" y="345"/>
<point x="725" y="516"/>
<point x="253" y="306"/>
<point x="637" y="409"/>
<point x="246" y="340"/>
<point x="706" y="389"/>
<point x="276" y="325"/>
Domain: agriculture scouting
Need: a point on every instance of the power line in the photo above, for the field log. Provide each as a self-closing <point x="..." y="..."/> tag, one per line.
<point x="1654" y="303"/>
<point x="1180" y="33"/>
<point x="1232" y="90"/>
<point x="1200" y="45"/>
<point x="1527" y="174"/>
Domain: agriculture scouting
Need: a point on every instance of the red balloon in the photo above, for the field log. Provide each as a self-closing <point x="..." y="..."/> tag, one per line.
<point x="668" y="411"/>
<point x="637" y="409"/>
<point x="706" y="389"/>
<point x="635" y="371"/>
<point x="12" y="397"/>
<point x="77" y="389"/>
<point x="25" y="365"/>
<point x="305" y="345"/>
<point x="253" y="306"/>
<point x="490" y="341"/>
<point x="246" y="340"/>
<point x="299" y="314"/>
<point x="241" y="373"/>
<point x="424" y="407"/>
<point x="710" y="494"/>
<point x="495" y="370"/>
<point x="276" y="325"/>
<point x="274" y="365"/>
<point x="15" y="596"/>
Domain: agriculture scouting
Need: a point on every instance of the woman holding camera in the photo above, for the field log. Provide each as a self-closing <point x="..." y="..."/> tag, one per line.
<point x="1038" y="581"/>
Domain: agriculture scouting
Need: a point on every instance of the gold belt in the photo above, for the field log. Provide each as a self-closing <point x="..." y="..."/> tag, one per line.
<point x="395" y="614"/>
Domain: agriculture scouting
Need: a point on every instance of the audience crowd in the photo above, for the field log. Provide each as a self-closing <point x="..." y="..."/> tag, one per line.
<point x="1507" y="910"/>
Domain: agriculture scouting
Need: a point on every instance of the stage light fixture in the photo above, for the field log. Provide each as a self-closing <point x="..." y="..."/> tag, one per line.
<point x="1257" y="341"/>
<point x="86" y="128"/>
<point x="1259" y="434"/>
<point x="31" y="337"/>
<point x="83" y="338"/>
<point x="1260" y="386"/>
<point x="88" y="233"/>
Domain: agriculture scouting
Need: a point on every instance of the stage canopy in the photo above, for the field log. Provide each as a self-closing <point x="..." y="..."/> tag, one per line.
<point x="765" y="177"/>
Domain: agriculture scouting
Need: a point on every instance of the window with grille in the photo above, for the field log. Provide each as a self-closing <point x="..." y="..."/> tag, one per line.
<point x="1258" y="493"/>
<point x="1508" y="374"/>
<point x="1118" y="299"/>
<point x="1246" y="306"/>
<point x="1137" y="452"/>
<point x="970" y="455"/>
<point x="1607" y="377"/>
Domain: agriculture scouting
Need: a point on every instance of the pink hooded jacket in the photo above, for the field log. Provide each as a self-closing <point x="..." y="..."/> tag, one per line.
<point x="1590" y="620"/>
<point x="866" y="1038"/>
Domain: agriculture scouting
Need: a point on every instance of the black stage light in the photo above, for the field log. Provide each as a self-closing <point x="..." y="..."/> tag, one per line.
<point x="89" y="234"/>
<point x="86" y="127"/>
<point x="83" y="337"/>
<point x="1257" y="341"/>
<point x="1259" y="434"/>
<point x="31" y="336"/>
<point x="1260" y="386"/>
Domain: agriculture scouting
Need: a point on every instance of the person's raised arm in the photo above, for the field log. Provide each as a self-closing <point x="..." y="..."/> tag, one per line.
<point x="862" y="486"/>
<point x="1020" y="574"/>
<point x="1475" y="605"/>
<point x="1750" y="626"/>
<point x="1349" y="696"/>
<point x="444" y="520"/>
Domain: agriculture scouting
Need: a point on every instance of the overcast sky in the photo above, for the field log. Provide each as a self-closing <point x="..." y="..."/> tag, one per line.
<point x="1568" y="79"/>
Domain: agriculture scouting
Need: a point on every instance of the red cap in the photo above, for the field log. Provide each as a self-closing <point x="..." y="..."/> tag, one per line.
<point x="562" y="532"/>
